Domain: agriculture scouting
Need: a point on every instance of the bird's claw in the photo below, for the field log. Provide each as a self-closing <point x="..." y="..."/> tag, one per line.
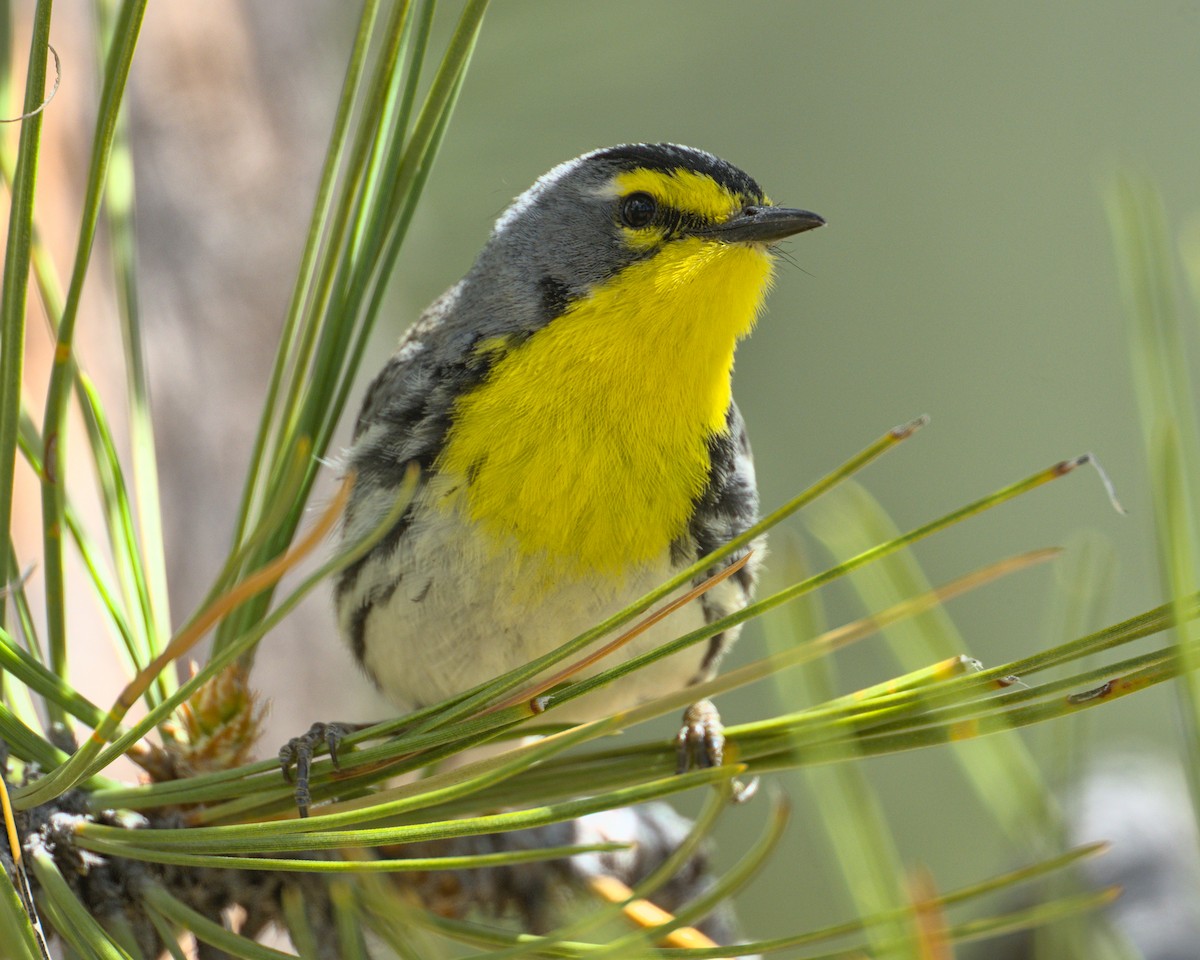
<point x="700" y="743"/>
<point x="299" y="752"/>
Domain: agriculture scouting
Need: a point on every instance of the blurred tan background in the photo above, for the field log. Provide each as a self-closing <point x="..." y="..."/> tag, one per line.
<point x="958" y="153"/>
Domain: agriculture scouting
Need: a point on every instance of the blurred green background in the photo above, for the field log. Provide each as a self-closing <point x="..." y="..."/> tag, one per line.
<point x="958" y="152"/>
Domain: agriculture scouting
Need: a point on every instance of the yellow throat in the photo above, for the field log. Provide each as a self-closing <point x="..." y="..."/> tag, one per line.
<point x="587" y="444"/>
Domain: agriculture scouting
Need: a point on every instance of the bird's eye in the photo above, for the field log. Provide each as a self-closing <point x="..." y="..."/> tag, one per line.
<point x="638" y="209"/>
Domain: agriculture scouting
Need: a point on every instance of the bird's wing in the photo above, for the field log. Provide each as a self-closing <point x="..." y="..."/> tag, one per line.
<point x="403" y="421"/>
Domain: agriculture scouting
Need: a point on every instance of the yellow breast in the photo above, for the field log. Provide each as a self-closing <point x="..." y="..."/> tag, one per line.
<point x="587" y="445"/>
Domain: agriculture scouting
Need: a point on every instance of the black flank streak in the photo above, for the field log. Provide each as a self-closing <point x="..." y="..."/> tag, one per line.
<point x="384" y="548"/>
<point x="718" y="644"/>
<point x="729" y="505"/>
<point x="744" y="579"/>
<point x="358" y="632"/>
<point x="712" y="654"/>
<point x="383" y="595"/>
<point x="358" y="623"/>
<point x="727" y="508"/>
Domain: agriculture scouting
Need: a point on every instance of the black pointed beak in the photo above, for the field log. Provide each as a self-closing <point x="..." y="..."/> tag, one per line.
<point x="764" y="224"/>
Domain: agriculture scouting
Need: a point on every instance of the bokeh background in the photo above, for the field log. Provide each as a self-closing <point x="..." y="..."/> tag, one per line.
<point x="959" y="153"/>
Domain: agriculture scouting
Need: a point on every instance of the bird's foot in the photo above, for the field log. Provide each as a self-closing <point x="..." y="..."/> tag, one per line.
<point x="700" y="743"/>
<point x="299" y="752"/>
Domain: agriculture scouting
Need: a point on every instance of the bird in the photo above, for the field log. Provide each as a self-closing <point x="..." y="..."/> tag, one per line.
<point x="568" y="404"/>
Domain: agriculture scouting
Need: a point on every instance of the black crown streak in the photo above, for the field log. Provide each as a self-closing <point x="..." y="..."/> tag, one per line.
<point x="668" y="157"/>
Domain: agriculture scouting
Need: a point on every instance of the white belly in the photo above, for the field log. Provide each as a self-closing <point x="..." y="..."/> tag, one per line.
<point x="465" y="612"/>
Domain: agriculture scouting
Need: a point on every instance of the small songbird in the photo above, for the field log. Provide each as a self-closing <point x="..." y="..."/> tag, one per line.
<point x="569" y="405"/>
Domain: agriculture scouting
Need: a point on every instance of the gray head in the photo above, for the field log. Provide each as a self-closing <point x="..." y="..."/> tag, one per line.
<point x="584" y="221"/>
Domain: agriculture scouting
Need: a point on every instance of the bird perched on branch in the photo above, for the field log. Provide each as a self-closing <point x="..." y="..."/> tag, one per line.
<point x="569" y="405"/>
